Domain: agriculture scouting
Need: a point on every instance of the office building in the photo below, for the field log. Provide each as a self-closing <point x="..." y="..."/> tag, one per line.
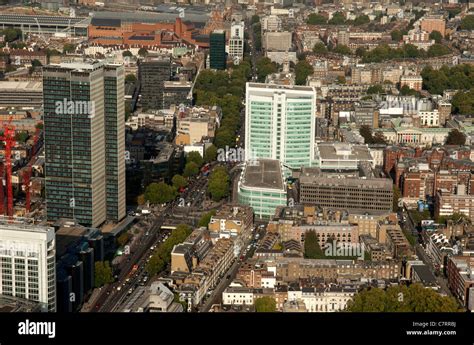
<point x="152" y="74"/>
<point x="177" y="93"/>
<point x="236" y="41"/>
<point x="344" y="192"/>
<point x="114" y="111"/>
<point x="280" y="123"/>
<point x="217" y="50"/>
<point x="28" y="267"/>
<point x="84" y="125"/>
<point x="261" y="186"/>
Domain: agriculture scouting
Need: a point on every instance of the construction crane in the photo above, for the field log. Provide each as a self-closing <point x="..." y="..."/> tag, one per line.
<point x="9" y="138"/>
<point x="28" y="171"/>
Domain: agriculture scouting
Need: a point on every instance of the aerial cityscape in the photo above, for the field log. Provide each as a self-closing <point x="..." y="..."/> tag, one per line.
<point x="236" y="156"/>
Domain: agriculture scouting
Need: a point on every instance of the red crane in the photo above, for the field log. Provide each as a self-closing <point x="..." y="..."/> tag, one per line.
<point x="9" y="138"/>
<point x="2" y="196"/>
<point x="28" y="171"/>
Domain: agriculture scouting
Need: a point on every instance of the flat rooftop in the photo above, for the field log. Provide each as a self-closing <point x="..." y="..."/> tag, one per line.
<point x="264" y="86"/>
<point x="343" y="151"/>
<point x="263" y="173"/>
<point x="21" y="86"/>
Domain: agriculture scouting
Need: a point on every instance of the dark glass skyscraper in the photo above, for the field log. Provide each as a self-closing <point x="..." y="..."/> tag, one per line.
<point x="217" y="50"/>
<point x="152" y="73"/>
<point x="84" y="145"/>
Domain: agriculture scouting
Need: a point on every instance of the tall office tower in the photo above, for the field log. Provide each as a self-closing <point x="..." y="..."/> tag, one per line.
<point x="83" y="132"/>
<point x="217" y="50"/>
<point x="236" y="41"/>
<point x="28" y="267"/>
<point x="152" y="73"/>
<point x="280" y="123"/>
<point x="114" y="108"/>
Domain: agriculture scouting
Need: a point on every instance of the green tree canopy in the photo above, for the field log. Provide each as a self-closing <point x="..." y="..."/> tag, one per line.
<point x="265" y="304"/>
<point x="455" y="137"/>
<point x="161" y="257"/>
<point x="130" y="78"/>
<point x="463" y="102"/>
<point x="218" y="186"/>
<point x="143" y="52"/>
<point x="320" y="48"/>
<point x="312" y="250"/>
<point x="206" y="218"/>
<point x="69" y="48"/>
<point x="127" y="53"/>
<point x="375" y="89"/>
<point x="190" y="169"/>
<point x="361" y="20"/>
<point x="316" y="19"/>
<point x="337" y="19"/>
<point x="195" y="157"/>
<point x="102" y="274"/>
<point x="123" y="239"/>
<point x="179" y="181"/>
<point x="342" y="49"/>
<point x="210" y="155"/>
<point x="158" y="193"/>
<point x="467" y="23"/>
<point x="302" y="70"/>
<point x="436" y="36"/>
<point x="401" y="298"/>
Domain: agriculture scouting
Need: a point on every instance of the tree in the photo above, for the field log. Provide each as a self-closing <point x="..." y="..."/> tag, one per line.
<point x="36" y="63"/>
<point x="438" y="50"/>
<point x="467" y="23"/>
<point x="360" y="52"/>
<point x="190" y="169"/>
<point x="143" y="52"/>
<point x="141" y="199"/>
<point x="436" y="36"/>
<point x="179" y="181"/>
<point x="342" y="49"/>
<point x="400" y="298"/>
<point x="195" y="157"/>
<point x="361" y="20"/>
<point x="337" y="19"/>
<point x="366" y="132"/>
<point x="210" y="155"/>
<point x="123" y="239"/>
<point x="406" y="91"/>
<point x="127" y="53"/>
<point x="11" y="34"/>
<point x="102" y="274"/>
<point x="463" y="102"/>
<point x="396" y="195"/>
<point x="22" y="137"/>
<point x="265" y="304"/>
<point x="455" y="137"/>
<point x="206" y="218"/>
<point x="312" y="250"/>
<point x="218" y="186"/>
<point x="159" y="193"/>
<point x="302" y="70"/>
<point x="69" y="48"/>
<point x="320" y="48"/>
<point x="255" y="19"/>
<point x="316" y="19"/>
<point x="375" y="89"/>
<point x="341" y="80"/>
<point x="379" y="138"/>
<point x="130" y="78"/>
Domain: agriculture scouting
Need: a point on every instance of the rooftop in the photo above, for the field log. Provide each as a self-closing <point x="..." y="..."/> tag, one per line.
<point x="263" y="173"/>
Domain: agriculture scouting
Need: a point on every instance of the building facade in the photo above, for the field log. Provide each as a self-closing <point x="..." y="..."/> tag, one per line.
<point x="28" y="263"/>
<point x="280" y="123"/>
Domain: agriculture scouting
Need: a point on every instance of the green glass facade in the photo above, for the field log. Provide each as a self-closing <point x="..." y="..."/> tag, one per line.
<point x="280" y="124"/>
<point x="217" y="50"/>
<point x="263" y="202"/>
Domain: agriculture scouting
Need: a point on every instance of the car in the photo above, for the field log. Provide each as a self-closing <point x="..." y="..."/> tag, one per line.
<point x="119" y="288"/>
<point x="130" y="291"/>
